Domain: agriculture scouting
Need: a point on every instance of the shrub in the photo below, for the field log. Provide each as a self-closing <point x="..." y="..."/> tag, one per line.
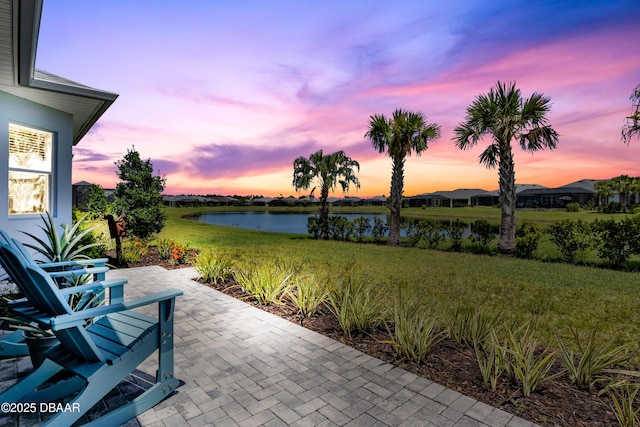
<point x="616" y="241"/>
<point x="213" y="267"/>
<point x="469" y="326"/>
<point x="491" y="361"/>
<point x="433" y="233"/>
<point x="623" y="397"/>
<point x="267" y="283"/>
<point x="379" y="230"/>
<point x="414" y="333"/>
<point x="134" y="249"/>
<point x="572" y="207"/>
<point x="352" y="302"/>
<point x="528" y="365"/>
<point x="313" y="226"/>
<point x="528" y="236"/>
<point x="483" y="233"/>
<point x="361" y="227"/>
<point x="455" y="229"/>
<point x="571" y="238"/>
<point x="164" y="248"/>
<point x="415" y="230"/>
<point x="340" y="228"/>
<point x="307" y="294"/>
<point x="594" y="360"/>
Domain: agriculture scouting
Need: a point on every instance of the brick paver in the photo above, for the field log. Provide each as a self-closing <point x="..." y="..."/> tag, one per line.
<point x="242" y="366"/>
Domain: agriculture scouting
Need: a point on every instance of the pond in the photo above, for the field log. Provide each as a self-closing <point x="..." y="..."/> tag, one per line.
<point x="283" y="222"/>
<point x="280" y="222"/>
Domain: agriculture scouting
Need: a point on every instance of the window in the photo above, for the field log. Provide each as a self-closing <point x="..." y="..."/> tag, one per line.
<point x="30" y="160"/>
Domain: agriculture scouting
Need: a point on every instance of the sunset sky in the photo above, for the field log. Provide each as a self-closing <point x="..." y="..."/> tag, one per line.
<point x="223" y="95"/>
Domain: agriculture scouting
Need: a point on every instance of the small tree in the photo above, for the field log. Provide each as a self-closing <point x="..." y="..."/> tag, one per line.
<point x="97" y="203"/>
<point x="139" y="196"/>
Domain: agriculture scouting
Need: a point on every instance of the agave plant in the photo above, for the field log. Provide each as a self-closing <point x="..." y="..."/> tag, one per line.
<point x="62" y="247"/>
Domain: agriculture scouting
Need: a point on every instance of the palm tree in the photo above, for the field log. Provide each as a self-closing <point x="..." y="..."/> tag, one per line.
<point x="399" y="136"/>
<point x="506" y="116"/>
<point x="632" y="124"/>
<point x="624" y="185"/>
<point x="328" y="171"/>
<point x="604" y="190"/>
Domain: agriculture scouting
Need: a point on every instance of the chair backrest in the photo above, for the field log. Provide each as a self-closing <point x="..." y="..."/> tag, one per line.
<point x="45" y="297"/>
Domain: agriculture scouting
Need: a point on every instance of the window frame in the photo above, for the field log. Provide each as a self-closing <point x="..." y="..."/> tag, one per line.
<point x="49" y="187"/>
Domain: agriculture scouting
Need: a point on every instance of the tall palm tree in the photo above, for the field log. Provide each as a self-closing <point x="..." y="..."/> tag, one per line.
<point x="399" y="136"/>
<point x="632" y="124"/>
<point x="625" y="186"/>
<point x="507" y="117"/>
<point x="328" y="171"/>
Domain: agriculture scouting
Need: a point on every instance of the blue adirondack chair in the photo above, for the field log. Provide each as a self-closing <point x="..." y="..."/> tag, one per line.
<point x="98" y="356"/>
<point x="12" y="344"/>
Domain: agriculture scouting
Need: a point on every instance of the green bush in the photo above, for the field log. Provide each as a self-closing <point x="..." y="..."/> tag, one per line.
<point x="571" y="237"/>
<point x="307" y="294"/>
<point x="340" y="228"/>
<point x="415" y="230"/>
<point x="433" y="233"/>
<point x="528" y="236"/>
<point x="379" y="230"/>
<point x="572" y="207"/>
<point x="469" y="326"/>
<point x="483" y="232"/>
<point x="361" y="227"/>
<point x="455" y="229"/>
<point x="616" y="241"/>
<point x="313" y="226"/>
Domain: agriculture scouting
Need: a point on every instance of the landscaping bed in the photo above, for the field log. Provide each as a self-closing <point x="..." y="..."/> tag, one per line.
<point x="558" y="403"/>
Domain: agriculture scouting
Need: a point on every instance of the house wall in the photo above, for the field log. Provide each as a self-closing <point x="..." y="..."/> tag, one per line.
<point x="20" y="111"/>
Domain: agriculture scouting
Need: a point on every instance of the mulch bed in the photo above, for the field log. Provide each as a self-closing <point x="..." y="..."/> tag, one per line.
<point x="558" y="403"/>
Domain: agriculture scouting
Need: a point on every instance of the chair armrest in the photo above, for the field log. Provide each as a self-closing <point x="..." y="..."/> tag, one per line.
<point x="90" y="287"/>
<point x="78" y="272"/>
<point x="98" y="262"/>
<point x="65" y="321"/>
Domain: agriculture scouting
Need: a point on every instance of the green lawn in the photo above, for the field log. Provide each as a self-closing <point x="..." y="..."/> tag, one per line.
<point x="555" y="295"/>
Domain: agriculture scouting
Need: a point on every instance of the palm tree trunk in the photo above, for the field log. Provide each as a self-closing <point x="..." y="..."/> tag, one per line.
<point x="507" y="241"/>
<point x="395" y="205"/>
<point x="324" y="213"/>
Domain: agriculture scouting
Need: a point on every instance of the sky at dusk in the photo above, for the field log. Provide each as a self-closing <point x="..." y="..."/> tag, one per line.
<point x="223" y="95"/>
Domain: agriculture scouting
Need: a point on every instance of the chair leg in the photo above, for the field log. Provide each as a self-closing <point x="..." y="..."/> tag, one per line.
<point x="31" y="382"/>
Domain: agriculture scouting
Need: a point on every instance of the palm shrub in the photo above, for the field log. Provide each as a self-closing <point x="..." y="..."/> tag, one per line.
<point x="593" y="361"/>
<point x="492" y="360"/>
<point x="414" y="332"/>
<point x="213" y="267"/>
<point x="571" y="238"/>
<point x="267" y="282"/>
<point x="307" y="294"/>
<point x="528" y="236"/>
<point x="352" y="302"/>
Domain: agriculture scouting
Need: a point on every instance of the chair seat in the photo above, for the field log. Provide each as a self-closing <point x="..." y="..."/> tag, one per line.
<point x="115" y="335"/>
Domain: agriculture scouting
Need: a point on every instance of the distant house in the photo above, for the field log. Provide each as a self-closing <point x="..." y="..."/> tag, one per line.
<point x="374" y="201"/>
<point x="80" y="194"/>
<point x="455" y="198"/>
<point x="348" y="201"/>
<point x="555" y="197"/>
<point x="262" y="201"/>
<point x="42" y="116"/>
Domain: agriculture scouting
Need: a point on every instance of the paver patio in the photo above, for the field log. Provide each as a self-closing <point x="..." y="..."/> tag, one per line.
<point x="242" y="366"/>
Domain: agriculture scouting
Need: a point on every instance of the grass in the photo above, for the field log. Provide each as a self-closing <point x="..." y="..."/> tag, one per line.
<point x="557" y="296"/>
